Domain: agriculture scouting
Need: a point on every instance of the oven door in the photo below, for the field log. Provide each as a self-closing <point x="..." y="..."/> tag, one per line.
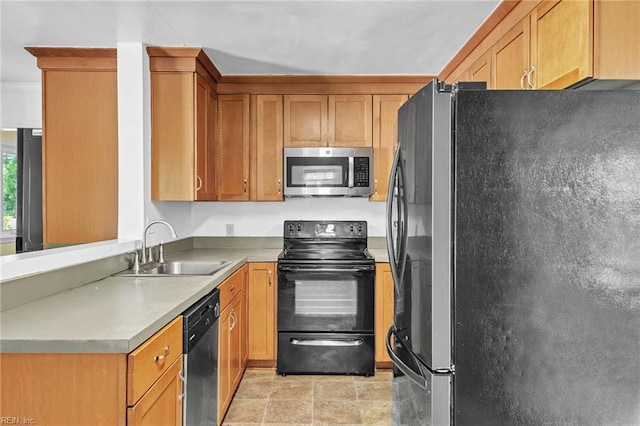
<point x="325" y="298"/>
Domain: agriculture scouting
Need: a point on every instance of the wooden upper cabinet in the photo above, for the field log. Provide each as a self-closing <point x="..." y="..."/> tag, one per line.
<point x="349" y="121"/>
<point x="267" y="150"/>
<point x="79" y="144"/>
<point x="557" y="44"/>
<point x="562" y="43"/>
<point x="510" y="58"/>
<point x="305" y="120"/>
<point x="232" y="154"/>
<point x="183" y="126"/>
<point x="481" y="70"/>
<point x="385" y="140"/>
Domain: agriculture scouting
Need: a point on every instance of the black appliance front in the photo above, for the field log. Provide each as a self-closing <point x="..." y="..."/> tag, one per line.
<point x="326" y="319"/>
<point x="326" y="298"/>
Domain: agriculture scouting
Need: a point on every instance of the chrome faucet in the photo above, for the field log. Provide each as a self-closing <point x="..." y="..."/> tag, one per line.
<point x="144" y="237"/>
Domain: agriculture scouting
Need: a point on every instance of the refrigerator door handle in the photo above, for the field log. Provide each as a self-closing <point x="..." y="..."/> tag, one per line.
<point x="397" y="181"/>
<point x="416" y="377"/>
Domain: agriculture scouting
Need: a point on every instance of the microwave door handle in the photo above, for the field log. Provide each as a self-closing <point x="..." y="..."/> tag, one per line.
<point x="350" y="172"/>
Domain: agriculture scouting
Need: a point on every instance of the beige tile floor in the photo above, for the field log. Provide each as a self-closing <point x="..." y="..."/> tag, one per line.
<point x="264" y="398"/>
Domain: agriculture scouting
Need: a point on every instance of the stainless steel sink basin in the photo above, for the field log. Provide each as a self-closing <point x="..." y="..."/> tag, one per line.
<point x="172" y="268"/>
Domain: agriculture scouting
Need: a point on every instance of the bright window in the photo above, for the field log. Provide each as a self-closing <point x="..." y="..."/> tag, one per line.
<point x="8" y="203"/>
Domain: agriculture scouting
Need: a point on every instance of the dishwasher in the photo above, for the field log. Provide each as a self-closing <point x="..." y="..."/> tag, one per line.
<point x="200" y="348"/>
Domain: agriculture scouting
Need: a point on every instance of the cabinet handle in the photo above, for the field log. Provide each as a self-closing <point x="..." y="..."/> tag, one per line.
<point x="199" y="185"/>
<point x="161" y="357"/>
<point x="524" y="74"/>
<point x="182" y="380"/>
<point x="279" y="186"/>
<point x="244" y="186"/>
<point x="533" y="68"/>
<point x="234" y="320"/>
<point x="269" y="277"/>
<point x="375" y="186"/>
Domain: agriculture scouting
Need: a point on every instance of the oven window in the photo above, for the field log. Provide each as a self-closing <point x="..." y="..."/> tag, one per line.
<point x="328" y="300"/>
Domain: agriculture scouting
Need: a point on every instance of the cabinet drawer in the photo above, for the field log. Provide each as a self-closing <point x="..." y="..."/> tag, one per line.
<point x="230" y="288"/>
<point x="147" y="363"/>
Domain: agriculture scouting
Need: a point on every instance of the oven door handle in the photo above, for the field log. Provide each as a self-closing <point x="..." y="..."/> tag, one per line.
<point x="306" y="269"/>
<point x="326" y="342"/>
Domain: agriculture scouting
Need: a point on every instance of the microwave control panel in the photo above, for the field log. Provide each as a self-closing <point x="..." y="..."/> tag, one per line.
<point x="361" y="172"/>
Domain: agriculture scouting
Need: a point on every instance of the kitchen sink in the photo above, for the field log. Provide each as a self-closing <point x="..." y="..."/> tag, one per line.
<point x="172" y="268"/>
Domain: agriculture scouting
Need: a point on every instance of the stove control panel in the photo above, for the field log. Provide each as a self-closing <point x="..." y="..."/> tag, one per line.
<point x="325" y="229"/>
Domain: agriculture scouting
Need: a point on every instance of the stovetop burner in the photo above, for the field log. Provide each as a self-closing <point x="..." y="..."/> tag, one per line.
<point x="337" y="241"/>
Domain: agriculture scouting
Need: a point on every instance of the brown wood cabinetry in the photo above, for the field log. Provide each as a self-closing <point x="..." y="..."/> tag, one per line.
<point x="141" y="388"/>
<point x="233" y="147"/>
<point x="261" y="313"/>
<point x="183" y="125"/>
<point x="232" y="337"/>
<point x="305" y="120"/>
<point x="384" y="312"/>
<point x="510" y="59"/>
<point x="266" y="148"/>
<point x="80" y="144"/>
<point x="162" y="404"/>
<point x="555" y="44"/>
<point x="385" y="140"/>
<point x="334" y="120"/>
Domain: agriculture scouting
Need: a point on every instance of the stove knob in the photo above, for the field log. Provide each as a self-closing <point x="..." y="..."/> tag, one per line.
<point x="299" y="227"/>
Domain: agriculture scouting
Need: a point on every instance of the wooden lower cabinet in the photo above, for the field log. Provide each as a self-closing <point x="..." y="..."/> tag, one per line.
<point x="97" y="389"/>
<point x="261" y="313"/>
<point x="232" y="337"/>
<point x="384" y="312"/>
<point x="162" y="404"/>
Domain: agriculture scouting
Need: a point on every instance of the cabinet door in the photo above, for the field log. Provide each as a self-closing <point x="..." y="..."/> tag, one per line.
<point x="305" y="120"/>
<point x="206" y="107"/>
<point x="261" y="313"/>
<point x="235" y="342"/>
<point x="561" y="43"/>
<point x="384" y="309"/>
<point x="233" y="147"/>
<point x="224" y="361"/>
<point x="162" y="404"/>
<point x="349" y="122"/>
<point x="481" y="70"/>
<point x="510" y="58"/>
<point x="80" y="156"/>
<point x="172" y="137"/>
<point x="385" y="140"/>
<point x="269" y="140"/>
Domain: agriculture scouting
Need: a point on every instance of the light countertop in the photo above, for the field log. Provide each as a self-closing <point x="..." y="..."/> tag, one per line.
<point x="115" y="314"/>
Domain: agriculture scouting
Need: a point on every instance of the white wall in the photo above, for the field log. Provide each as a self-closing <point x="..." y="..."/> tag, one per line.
<point x="21" y="105"/>
<point x="266" y="219"/>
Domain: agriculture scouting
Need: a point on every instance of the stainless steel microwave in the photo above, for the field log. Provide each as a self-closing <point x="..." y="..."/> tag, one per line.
<point x="346" y="172"/>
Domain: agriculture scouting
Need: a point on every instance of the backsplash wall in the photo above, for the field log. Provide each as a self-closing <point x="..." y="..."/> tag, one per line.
<point x="265" y="219"/>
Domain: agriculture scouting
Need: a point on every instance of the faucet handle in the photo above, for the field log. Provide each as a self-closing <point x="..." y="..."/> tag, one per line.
<point x="136" y="262"/>
<point x="150" y="257"/>
<point x="161" y="253"/>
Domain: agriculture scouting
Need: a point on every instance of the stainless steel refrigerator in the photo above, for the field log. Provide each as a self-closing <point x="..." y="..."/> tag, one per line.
<point x="514" y="240"/>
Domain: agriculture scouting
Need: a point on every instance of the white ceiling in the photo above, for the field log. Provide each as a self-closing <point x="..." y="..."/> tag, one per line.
<point x="252" y="37"/>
